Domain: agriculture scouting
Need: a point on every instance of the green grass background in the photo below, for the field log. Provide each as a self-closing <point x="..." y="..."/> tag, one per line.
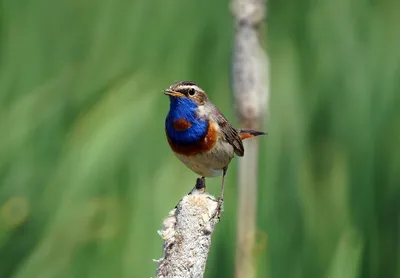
<point x="86" y="175"/>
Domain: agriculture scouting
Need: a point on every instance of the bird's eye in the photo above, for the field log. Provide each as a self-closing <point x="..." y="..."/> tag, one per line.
<point x="191" y="92"/>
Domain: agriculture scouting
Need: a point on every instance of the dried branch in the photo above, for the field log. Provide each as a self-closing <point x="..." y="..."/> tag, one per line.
<point x="251" y="94"/>
<point x="187" y="235"/>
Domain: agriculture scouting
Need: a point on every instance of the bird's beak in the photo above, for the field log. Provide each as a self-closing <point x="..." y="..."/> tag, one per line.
<point x="173" y="93"/>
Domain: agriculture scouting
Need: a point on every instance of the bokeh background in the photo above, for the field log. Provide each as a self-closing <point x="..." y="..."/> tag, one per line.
<point x="86" y="175"/>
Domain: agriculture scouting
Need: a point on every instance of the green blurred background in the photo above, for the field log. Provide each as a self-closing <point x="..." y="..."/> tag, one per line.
<point x="86" y="175"/>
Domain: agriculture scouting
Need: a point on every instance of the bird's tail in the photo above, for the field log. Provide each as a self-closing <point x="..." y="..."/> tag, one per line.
<point x="247" y="133"/>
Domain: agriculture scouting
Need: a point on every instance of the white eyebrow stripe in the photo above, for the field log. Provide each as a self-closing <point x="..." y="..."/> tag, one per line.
<point x="185" y="87"/>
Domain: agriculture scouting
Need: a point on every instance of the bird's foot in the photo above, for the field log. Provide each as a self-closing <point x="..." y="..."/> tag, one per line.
<point x="201" y="183"/>
<point x="200" y="186"/>
<point x="218" y="209"/>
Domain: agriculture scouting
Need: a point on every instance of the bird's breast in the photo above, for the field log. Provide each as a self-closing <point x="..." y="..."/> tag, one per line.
<point x="203" y="144"/>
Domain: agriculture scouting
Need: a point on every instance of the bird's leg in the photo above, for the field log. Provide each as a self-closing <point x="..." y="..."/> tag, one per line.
<point x="201" y="183"/>
<point x="200" y="186"/>
<point x="221" y="195"/>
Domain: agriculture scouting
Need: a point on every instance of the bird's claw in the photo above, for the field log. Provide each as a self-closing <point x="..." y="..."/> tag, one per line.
<point x="218" y="209"/>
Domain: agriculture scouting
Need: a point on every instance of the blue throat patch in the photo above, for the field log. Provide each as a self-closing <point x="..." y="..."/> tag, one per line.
<point x="184" y="108"/>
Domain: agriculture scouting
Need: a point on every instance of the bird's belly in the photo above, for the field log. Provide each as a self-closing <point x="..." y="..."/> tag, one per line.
<point x="211" y="163"/>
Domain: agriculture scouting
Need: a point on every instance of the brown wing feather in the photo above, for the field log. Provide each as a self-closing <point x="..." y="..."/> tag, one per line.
<point x="231" y="134"/>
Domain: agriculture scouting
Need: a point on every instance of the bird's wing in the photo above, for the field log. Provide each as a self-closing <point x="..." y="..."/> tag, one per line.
<point x="231" y="135"/>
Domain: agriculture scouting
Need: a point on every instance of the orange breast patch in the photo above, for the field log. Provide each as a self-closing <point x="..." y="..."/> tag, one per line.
<point x="203" y="145"/>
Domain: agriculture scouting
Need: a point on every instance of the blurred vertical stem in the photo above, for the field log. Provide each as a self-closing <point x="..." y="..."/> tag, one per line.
<point x="250" y="83"/>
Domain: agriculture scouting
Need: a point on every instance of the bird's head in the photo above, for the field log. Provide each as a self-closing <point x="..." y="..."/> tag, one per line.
<point x="187" y="120"/>
<point x="186" y="91"/>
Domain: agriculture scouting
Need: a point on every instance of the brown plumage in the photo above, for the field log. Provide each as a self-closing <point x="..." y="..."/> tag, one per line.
<point x="199" y="134"/>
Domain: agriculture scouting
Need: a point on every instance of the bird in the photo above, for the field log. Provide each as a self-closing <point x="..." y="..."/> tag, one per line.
<point x="199" y="135"/>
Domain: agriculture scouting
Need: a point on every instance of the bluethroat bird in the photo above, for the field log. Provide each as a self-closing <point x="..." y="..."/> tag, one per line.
<point x="199" y="135"/>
